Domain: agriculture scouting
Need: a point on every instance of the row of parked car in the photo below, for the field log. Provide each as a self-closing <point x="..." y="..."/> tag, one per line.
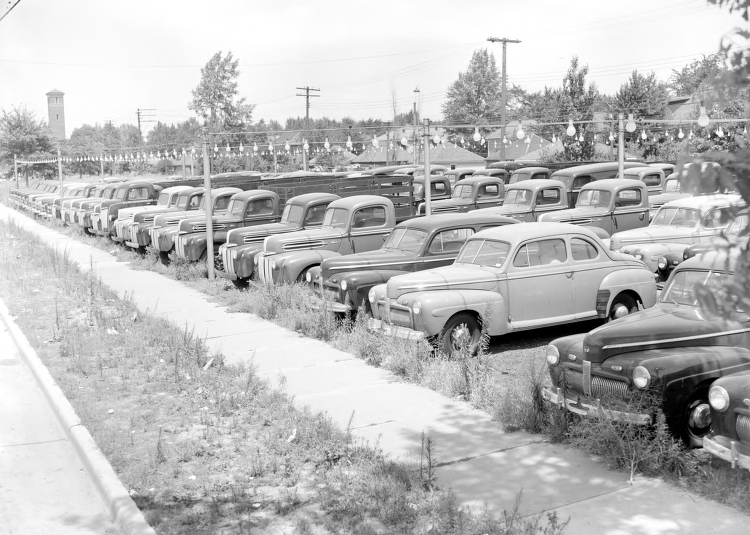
<point x="446" y="276"/>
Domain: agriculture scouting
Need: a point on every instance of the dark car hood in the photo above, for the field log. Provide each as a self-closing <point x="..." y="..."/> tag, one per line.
<point x="378" y="259"/>
<point x="662" y="326"/>
<point x="303" y="239"/>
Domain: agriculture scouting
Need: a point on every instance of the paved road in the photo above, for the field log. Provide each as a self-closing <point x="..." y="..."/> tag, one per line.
<point x="480" y="462"/>
<point x="44" y="488"/>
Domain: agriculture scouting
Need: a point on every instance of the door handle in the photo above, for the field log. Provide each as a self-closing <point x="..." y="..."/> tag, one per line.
<point x="569" y="274"/>
<point x="642" y="216"/>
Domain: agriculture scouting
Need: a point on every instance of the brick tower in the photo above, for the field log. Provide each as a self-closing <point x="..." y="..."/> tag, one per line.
<point x="56" y="110"/>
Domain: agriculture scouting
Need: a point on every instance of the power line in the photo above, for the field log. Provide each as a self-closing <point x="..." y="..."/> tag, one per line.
<point x="10" y="9"/>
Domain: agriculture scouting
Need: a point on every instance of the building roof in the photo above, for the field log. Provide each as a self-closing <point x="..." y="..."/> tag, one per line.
<point x="55" y="92"/>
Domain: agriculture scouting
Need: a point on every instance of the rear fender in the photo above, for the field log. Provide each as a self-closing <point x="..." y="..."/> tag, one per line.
<point x="638" y="281"/>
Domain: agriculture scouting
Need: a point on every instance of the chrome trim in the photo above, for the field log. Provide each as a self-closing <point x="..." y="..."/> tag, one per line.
<point x="680" y="339"/>
<point x="742" y="426"/>
<point x="730" y="454"/>
<point x="586" y="377"/>
<point x="586" y="409"/>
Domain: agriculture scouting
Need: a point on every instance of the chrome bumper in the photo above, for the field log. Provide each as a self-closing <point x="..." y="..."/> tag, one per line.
<point x="586" y="409"/>
<point x="729" y="454"/>
<point x="394" y="330"/>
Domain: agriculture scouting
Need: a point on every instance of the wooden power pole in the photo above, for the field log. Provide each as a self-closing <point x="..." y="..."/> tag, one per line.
<point x="307" y="96"/>
<point x="505" y="42"/>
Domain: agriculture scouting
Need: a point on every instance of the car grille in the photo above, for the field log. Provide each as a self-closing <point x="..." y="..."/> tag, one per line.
<point x="134" y="234"/>
<point x="601" y="387"/>
<point x="743" y="427"/>
<point x="331" y="292"/>
<point x="400" y="316"/>
<point x="201" y="227"/>
<point x="227" y="258"/>
<point x="179" y="246"/>
<point x="579" y="221"/>
<point x="265" y="273"/>
<point x="119" y="228"/>
<point x="148" y="219"/>
<point x="438" y="209"/>
<point x="253" y="239"/>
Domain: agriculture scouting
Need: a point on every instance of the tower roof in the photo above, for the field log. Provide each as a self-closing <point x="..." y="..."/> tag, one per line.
<point x="55" y="92"/>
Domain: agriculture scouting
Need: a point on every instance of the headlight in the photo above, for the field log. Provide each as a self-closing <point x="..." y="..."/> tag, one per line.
<point x="685" y="254"/>
<point x="343" y="286"/>
<point x="641" y="377"/>
<point x="718" y="398"/>
<point x="273" y="264"/>
<point x="638" y="255"/>
<point x="308" y="276"/>
<point x="553" y="355"/>
<point x="416" y="308"/>
<point x="662" y="263"/>
<point x="371" y="295"/>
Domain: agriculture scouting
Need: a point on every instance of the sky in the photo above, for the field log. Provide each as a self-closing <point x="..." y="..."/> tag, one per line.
<point x="112" y="57"/>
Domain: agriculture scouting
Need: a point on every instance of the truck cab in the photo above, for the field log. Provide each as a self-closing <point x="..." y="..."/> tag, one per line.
<point x="472" y="193"/>
<point x="527" y="200"/>
<point x="578" y="176"/>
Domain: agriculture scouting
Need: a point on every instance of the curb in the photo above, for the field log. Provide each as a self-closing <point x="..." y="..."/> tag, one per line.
<point x="122" y="509"/>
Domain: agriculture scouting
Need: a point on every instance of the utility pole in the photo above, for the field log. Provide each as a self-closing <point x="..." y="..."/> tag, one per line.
<point x="415" y="148"/>
<point x="427" y="177"/>
<point x="307" y="96"/>
<point x="143" y="118"/>
<point x="621" y="145"/>
<point x="505" y="42"/>
<point x="209" y="206"/>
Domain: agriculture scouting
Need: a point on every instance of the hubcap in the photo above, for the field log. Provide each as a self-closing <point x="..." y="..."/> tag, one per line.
<point x="460" y="336"/>
<point x="700" y="417"/>
<point x="620" y="312"/>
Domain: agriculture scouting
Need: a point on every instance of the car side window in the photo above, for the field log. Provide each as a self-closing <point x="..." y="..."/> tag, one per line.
<point x="717" y="218"/>
<point x="449" y="241"/>
<point x="652" y="180"/>
<point x="315" y="214"/>
<point x="628" y="197"/>
<point x="374" y="216"/>
<point x="438" y="188"/>
<point x="259" y="207"/>
<point x="548" y="196"/>
<point x="582" y="250"/>
<point x="541" y="253"/>
<point x="488" y="191"/>
<point x="195" y="201"/>
<point x="580" y="181"/>
<point x="222" y="203"/>
<point x="138" y="194"/>
<point x="540" y="175"/>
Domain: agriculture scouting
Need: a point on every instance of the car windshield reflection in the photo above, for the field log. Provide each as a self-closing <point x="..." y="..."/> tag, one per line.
<point x="406" y="239"/>
<point x="484" y="253"/>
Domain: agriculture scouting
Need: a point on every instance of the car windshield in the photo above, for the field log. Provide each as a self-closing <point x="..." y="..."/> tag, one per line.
<point x="236" y="207"/>
<point x="220" y="203"/>
<point x="484" y="253"/>
<point x="681" y="289"/>
<point x="676" y="217"/>
<point x="182" y="202"/>
<point x="594" y="197"/>
<point x="163" y="199"/>
<point x="121" y="192"/>
<point x="292" y="214"/>
<point x="518" y="196"/>
<point x="462" y="191"/>
<point x="336" y="217"/>
<point x="672" y="186"/>
<point x="406" y="239"/>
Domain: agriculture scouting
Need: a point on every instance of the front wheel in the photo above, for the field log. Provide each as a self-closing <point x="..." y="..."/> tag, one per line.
<point x="302" y="278"/>
<point x="241" y="283"/>
<point x="693" y="421"/>
<point x="461" y="333"/>
<point x="622" y="306"/>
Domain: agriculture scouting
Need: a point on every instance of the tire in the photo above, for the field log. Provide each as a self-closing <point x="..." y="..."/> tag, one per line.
<point x="164" y="257"/>
<point x="303" y="275"/>
<point x="460" y="331"/>
<point x="241" y="283"/>
<point x="693" y="421"/>
<point x="622" y="306"/>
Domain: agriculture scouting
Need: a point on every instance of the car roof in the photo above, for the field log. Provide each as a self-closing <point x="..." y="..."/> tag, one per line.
<point x="438" y="221"/>
<point x="224" y="191"/>
<point x="308" y="197"/>
<point x="433" y="178"/>
<point x="530" y="231"/>
<point x="720" y="260"/>
<point x="175" y="189"/>
<point x="703" y="202"/>
<point x="643" y="170"/>
<point x="249" y="194"/>
<point x="357" y="201"/>
<point x="593" y="167"/>
<point x="475" y="178"/>
<point x="614" y="183"/>
<point x="531" y="170"/>
<point x="535" y="184"/>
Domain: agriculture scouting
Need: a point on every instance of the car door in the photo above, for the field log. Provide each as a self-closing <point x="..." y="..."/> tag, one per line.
<point x="547" y="200"/>
<point x="540" y="284"/>
<point x="489" y="195"/>
<point x="590" y="266"/>
<point x="629" y="210"/>
<point x="575" y="188"/>
<point x="368" y="229"/>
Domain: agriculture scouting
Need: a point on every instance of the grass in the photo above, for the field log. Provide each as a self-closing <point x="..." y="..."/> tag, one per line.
<point x="207" y="447"/>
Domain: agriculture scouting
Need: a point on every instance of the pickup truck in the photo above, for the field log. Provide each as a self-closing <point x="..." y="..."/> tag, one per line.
<point x="527" y="200"/>
<point x="53" y="209"/>
<point x="578" y="176"/>
<point x="83" y="209"/>
<point x="65" y="212"/>
<point x="236" y="259"/>
<point x="471" y="193"/>
<point x="350" y="225"/>
<point x="168" y="198"/>
<point x="245" y="209"/>
<point x="128" y="194"/>
<point x="414" y="245"/>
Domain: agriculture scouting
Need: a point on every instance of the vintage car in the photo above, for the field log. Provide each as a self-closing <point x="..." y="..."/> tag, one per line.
<point x="472" y="193"/>
<point x="165" y="226"/>
<point x="527" y="200"/>
<point x="128" y="194"/>
<point x="236" y="259"/>
<point x="454" y="175"/>
<point x="54" y="209"/>
<point x="521" y="277"/>
<point x="168" y="198"/>
<point x="653" y="177"/>
<point x="611" y="204"/>
<point x="528" y="173"/>
<point x="41" y="202"/>
<point x="729" y="438"/>
<point x="671" y="192"/>
<point x="66" y="211"/>
<point x="84" y="209"/>
<point x="578" y="176"/>
<point x="674" y="350"/>
<point x="668" y="168"/>
<point x="414" y="245"/>
<point x="441" y="188"/>
<point x="677" y="224"/>
<point x="245" y="209"/>
<point x="502" y="174"/>
<point x="351" y="225"/>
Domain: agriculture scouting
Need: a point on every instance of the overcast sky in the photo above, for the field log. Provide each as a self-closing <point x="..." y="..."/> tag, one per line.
<point x="112" y="57"/>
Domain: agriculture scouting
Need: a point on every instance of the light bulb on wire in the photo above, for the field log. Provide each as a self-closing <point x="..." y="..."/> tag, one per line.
<point x="571" y="130"/>
<point x="703" y="119"/>
<point x="326" y="145"/>
<point x="520" y="133"/>
<point x="681" y="134"/>
<point x="630" y="127"/>
<point x="477" y="136"/>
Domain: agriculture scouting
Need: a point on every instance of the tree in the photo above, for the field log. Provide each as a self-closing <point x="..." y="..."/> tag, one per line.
<point x="577" y="101"/>
<point x="701" y="72"/>
<point x="216" y="99"/>
<point x="643" y="95"/>
<point x="475" y="97"/>
<point x="23" y="136"/>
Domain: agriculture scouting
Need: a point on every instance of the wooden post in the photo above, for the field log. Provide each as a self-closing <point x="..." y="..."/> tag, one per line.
<point x="427" y="183"/>
<point x="184" y="173"/>
<point x="621" y="147"/>
<point x="59" y="170"/>
<point x="15" y="169"/>
<point x="209" y="207"/>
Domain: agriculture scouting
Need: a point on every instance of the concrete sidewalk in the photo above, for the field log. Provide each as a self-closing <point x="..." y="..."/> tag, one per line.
<point x="479" y="461"/>
<point x="44" y="486"/>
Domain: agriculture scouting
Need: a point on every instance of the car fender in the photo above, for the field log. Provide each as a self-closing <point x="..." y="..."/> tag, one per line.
<point x="652" y="251"/>
<point x="438" y="307"/>
<point x="359" y="283"/>
<point x="292" y="264"/>
<point x="635" y="279"/>
<point x="245" y="261"/>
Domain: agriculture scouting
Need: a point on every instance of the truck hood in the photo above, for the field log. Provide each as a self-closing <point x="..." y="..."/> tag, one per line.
<point x="454" y="277"/>
<point x="260" y="232"/>
<point x="447" y="205"/>
<point x="302" y="239"/>
<point x="196" y="222"/>
<point x="661" y="233"/>
<point x="378" y="259"/>
<point x="508" y="210"/>
<point x="583" y="215"/>
<point x="128" y="212"/>
<point x="662" y="326"/>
